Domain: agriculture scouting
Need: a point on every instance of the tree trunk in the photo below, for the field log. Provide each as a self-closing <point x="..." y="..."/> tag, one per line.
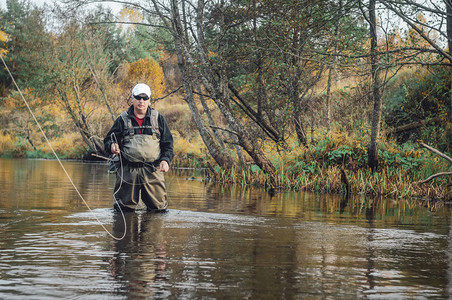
<point x="312" y="129"/>
<point x="216" y="84"/>
<point x="249" y="143"/>
<point x="299" y="129"/>
<point x="104" y="94"/>
<point x="92" y="141"/>
<point x="293" y="89"/>
<point x="240" y="155"/>
<point x="372" y="159"/>
<point x="27" y="131"/>
<point x="413" y="125"/>
<point x="223" y="159"/>
<point x="327" y="100"/>
<point x="330" y="72"/>
<point x="217" y="133"/>
<point x="449" y="42"/>
<point x="266" y="126"/>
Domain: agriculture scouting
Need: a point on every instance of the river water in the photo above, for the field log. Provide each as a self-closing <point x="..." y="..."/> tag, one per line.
<point x="215" y="242"/>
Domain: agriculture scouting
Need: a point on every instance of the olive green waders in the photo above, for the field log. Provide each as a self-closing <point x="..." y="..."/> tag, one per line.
<point x="140" y="180"/>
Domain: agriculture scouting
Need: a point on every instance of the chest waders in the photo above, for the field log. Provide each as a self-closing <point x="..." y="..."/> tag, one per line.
<point x="141" y="148"/>
<point x="139" y="176"/>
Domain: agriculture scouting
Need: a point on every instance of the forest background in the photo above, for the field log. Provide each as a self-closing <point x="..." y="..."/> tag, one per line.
<point x="308" y="95"/>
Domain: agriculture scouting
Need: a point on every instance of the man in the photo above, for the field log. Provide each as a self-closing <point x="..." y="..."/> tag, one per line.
<point x="142" y="137"/>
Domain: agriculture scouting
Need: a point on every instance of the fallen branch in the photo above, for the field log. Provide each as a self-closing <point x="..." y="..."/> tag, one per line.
<point x="437" y="152"/>
<point x="413" y="125"/>
<point x="433" y="176"/>
<point x="440" y="154"/>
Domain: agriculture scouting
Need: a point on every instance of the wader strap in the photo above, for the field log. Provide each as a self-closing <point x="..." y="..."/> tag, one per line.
<point x="128" y="127"/>
<point x="155" y="122"/>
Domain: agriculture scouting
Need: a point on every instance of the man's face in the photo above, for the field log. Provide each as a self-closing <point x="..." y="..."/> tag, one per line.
<point x="141" y="102"/>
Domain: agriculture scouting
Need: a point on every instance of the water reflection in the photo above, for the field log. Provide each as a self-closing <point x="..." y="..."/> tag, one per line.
<point x="139" y="260"/>
<point x="216" y="241"/>
<point x="370" y="251"/>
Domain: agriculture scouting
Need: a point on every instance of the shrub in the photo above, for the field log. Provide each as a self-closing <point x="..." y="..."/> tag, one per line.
<point x="6" y="142"/>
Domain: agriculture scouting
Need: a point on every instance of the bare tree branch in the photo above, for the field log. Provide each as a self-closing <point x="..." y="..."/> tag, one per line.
<point x="127" y="23"/>
<point x="423" y="7"/>
<point x="434" y="176"/>
<point x="437" y="152"/>
<point x="419" y="31"/>
<point x="167" y="95"/>
<point x="224" y="129"/>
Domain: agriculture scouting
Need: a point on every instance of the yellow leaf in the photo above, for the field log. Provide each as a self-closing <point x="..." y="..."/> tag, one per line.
<point x="147" y="70"/>
<point x="3" y="38"/>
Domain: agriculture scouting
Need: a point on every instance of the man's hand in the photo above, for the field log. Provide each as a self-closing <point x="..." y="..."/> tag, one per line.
<point x="115" y="148"/>
<point x="164" y="167"/>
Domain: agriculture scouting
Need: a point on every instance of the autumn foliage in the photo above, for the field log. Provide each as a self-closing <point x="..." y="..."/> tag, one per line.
<point x="292" y="77"/>
<point x="3" y="38"/>
<point x="147" y="70"/>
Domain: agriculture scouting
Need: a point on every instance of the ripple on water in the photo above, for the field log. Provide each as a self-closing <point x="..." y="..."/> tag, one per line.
<point x="245" y="246"/>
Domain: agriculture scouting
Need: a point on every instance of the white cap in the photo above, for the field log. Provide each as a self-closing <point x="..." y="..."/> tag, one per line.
<point x="141" y="88"/>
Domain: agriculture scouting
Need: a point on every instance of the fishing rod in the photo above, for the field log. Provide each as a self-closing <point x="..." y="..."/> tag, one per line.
<point x="61" y="164"/>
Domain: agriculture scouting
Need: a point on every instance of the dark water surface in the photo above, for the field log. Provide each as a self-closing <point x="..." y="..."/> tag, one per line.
<point x="216" y="241"/>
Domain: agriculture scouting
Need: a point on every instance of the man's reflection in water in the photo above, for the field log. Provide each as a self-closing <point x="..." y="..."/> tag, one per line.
<point x="139" y="260"/>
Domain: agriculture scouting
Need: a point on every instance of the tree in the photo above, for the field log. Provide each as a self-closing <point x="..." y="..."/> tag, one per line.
<point x="78" y="72"/>
<point x="25" y="25"/>
<point x="140" y="41"/>
<point x="190" y="73"/>
<point x="148" y="71"/>
<point x="280" y="51"/>
<point x="372" y="154"/>
<point x="259" y="62"/>
<point x="331" y="68"/>
<point x="438" y="23"/>
<point x="3" y="51"/>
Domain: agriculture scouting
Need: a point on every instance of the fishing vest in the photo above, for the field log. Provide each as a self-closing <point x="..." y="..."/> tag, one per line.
<point x="141" y="147"/>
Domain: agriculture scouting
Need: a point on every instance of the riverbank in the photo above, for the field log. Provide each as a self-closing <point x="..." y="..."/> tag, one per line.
<point x="337" y="163"/>
<point x="331" y="163"/>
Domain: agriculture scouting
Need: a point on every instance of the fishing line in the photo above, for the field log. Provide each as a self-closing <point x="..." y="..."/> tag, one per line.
<point x="61" y="164"/>
<point x="156" y="169"/>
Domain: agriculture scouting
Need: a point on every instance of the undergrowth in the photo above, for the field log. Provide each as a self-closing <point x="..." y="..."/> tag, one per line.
<point x="315" y="167"/>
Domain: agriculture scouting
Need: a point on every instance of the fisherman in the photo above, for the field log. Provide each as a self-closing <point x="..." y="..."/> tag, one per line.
<point x="142" y="137"/>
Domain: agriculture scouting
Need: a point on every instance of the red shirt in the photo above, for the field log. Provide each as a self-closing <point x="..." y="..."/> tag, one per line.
<point x="139" y="121"/>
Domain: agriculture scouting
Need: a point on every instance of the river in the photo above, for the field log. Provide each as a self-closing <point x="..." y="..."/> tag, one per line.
<point x="215" y="242"/>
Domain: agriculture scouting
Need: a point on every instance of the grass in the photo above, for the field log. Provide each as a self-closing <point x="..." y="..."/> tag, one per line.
<point x="328" y="180"/>
<point x="318" y="168"/>
<point x="313" y="168"/>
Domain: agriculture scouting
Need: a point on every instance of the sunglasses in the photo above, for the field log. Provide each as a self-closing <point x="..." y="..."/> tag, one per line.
<point x="145" y="98"/>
